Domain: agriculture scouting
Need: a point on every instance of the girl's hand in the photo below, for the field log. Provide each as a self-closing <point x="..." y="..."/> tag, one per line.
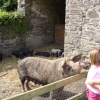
<point x="90" y="83"/>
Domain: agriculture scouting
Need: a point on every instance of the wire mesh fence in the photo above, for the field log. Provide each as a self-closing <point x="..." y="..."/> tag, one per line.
<point x="66" y="93"/>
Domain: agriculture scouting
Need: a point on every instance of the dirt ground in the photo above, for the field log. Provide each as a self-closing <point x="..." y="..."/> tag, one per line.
<point x="9" y="81"/>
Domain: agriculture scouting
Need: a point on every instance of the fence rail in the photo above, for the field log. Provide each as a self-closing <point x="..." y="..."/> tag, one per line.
<point x="47" y="88"/>
<point x="78" y="96"/>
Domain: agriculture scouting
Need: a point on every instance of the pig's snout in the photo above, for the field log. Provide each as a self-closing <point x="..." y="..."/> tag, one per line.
<point x="81" y="64"/>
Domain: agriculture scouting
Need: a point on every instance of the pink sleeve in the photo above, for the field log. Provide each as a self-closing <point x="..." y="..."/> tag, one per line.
<point x="97" y="76"/>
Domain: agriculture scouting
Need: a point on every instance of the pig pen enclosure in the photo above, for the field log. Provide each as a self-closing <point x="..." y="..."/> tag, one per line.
<point x="11" y="88"/>
<point x="42" y="93"/>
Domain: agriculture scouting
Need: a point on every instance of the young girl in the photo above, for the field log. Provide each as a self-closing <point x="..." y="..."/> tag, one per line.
<point x="93" y="77"/>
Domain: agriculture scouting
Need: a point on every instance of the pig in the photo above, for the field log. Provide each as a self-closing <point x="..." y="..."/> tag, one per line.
<point x="62" y="55"/>
<point x="40" y="53"/>
<point x="1" y="55"/>
<point x="18" y="54"/>
<point x="45" y="71"/>
<point x="27" y="51"/>
<point x="56" y="52"/>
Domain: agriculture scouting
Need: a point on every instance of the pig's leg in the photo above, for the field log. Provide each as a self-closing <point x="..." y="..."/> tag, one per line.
<point x="36" y="81"/>
<point x="23" y="81"/>
<point x="27" y="83"/>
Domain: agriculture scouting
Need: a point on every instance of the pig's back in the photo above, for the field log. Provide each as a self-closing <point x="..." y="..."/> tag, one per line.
<point x="37" y="67"/>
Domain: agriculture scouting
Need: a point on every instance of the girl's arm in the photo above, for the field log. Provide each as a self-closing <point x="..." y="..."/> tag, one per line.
<point x="96" y="86"/>
<point x="95" y="83"/>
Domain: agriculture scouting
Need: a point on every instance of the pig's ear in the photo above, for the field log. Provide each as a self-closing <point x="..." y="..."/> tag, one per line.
<point x="77" y="58"/>
<point x="61" y="64"/>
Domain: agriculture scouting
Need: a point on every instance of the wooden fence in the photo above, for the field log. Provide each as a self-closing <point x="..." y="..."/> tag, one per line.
<point x="47" y="88"/>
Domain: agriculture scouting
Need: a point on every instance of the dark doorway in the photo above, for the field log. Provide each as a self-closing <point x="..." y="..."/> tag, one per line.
<point x="60" y="25"/>
<point x="61" y="12"/>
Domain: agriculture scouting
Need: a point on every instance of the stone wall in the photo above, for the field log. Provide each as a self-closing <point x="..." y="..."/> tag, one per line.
<point x="41" y="28"/>
<point x="82" y="26"/>
<point x="41" y="25"/>
<point x="7" y="45"/>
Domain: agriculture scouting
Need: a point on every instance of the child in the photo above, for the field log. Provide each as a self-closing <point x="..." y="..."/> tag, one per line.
<point x="93" y="77"/>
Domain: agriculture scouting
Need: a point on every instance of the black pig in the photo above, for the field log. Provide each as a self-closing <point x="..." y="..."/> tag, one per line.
<point x="18" y="54"/>
<point x="1" y="55"/>
<point x="40" y="53"/>
<point x="27" y="51"/>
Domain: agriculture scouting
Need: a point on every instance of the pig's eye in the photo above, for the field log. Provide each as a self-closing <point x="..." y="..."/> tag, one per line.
<point x="72" y="70"/>
<point x="69" y="68"/>
<point x="62" y="73"/>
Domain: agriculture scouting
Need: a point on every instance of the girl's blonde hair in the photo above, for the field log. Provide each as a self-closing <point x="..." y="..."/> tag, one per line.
<point x="94" y="56"/>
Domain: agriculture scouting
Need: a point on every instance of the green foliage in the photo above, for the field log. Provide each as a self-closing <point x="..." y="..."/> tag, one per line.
<point x="4" y="16"/>
<point x="14" y="23"/>
<point x="8" y="5"/>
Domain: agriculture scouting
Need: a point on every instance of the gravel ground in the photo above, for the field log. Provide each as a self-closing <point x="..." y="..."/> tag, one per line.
<point x="10" y="84"/>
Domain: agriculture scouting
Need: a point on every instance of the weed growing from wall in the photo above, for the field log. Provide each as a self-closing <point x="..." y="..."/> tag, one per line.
<point x="12" y="23"/>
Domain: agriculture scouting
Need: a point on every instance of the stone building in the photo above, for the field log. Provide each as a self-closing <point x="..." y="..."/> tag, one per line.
<point x="81" y="19"/>
<point x="82" y="26"/>
<point x="75" y="23"/>
<point x="45" y="18"/>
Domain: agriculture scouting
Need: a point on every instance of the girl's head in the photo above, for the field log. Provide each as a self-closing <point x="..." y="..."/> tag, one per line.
<point x="94" y="56"/>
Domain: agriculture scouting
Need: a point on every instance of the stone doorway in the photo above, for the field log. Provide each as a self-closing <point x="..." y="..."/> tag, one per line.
<point x="46" y="21"/>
